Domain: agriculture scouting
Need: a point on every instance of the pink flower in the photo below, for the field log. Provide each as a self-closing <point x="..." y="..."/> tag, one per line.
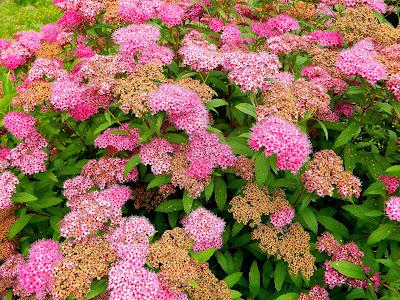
<point x="231" y="35"/>
<point x="14" y="56"/>
<point x="216" y="24"/>
<point x="391" y="183"/>
<point x="326" y="38"/>
<point x="392" y="210"/>
<point x="136" y="37"/>
<point x="378" y="5"/>
<point x="49" y="32"/>
<point x="286" y="43"/>
<point x="76" y="187"/>
<point x="119" y="141"/>
<point x="360" y="60"/>
<point x="393" y="84"/>
<point x="205" y="153"/>
<point x="282" y="217"/>
<point x="275" y="26"/>
<point x="315" y="293"/>
<point x="8" y="182"/>
<point x="184" y="107"/>
<point x="66" y="94"/>
<point x="36" y="275"/>
<point x="205" y="228"/>
<point x="291" y="146"/>
<point x="172" y="14"/>
<point x="344" y="108"/>
<point x="157" y="155"/>
<point x="45" y="67"/>
<point x="29" y="157"/>
<point x="29" y="39"/>
<point x="157" y="53"/>
<point x="19" y="124"/>
<point x="138" y="11"/>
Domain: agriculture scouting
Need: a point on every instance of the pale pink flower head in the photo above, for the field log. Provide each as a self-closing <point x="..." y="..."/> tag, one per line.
<point x="28" y="157"/>
<point x="126" y="140"/>
<point x="183" y="106"/>
<point x="138" y="11"/>
<point x="172" y="14"/>
<point x="49" y="32"/>
<point x="77" y="186"/>
<point x="36" y="275"/>
<point x="282" y="217"/>
<point x="205" y="228"/>
<point x="19" y="124"/>
<point x="130" y="239"/>
<point x="45" y="67"/>
<point x="206" y="153"/>
<point x="327" y="243"/>
<point x="29" y="39"/>
<point x="378" y="5"/>
<point x="157" y="53"/>
<point x="315" y="293"/>
<point x="393" y="84"/>
<point x="275" y="26"/>
<point x="8" y="182"/>
<point x="392" y="210"/>
<point x="360" y="60"/>
<point x="66" y="94"/>
<point x="291" y="146"/>
<point x="136" y="37"/>
<point x="231" y="35"/>
<point x="157" y="155"/>
<point x="127" y="281"/>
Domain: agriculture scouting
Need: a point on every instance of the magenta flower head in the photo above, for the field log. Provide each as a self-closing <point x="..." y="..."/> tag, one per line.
<point x="205" y="228"/>
<point x="8" y="182"/>
<point x="126" y="140"/>
<point x="393" y="208"/>
<point x="291" y="146"/>
<point x="19" y="124"/>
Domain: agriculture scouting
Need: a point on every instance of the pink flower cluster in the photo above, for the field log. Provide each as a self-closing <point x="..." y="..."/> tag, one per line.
<point x="360" y="60"/>
<point x="78" y="10"/>
<point x="66" y="94"/>
<point x="391" y="183"/>
<point x="344" y="108"/>
<point x="183" y="106"/>
<point x="36" y="275"/>
<point x="393" y="84"/>
<point x="282" y="217"/>
<point x="138" y="11"/>
<point x="28" y="155"/>
<point x="205" y="228"/>
<point x="392" y="210"/>
<point x="46" y="68"/>
<point x="347" y="252"/>
<point x="321" y="77"/>
<point x="286" y="43"/>
<point x="251" y="70"/>
<point x="205" y="153"/>
<point x="291" y="146"/>
<point x="8" y="182"/>
<point x="315" y="293"/>
<point x="378" y="5"/>
<point x="115" y="142"/>
<point x="157" y="155"/>
<point x="326" y="38"/>
<point x="275" y="26"/>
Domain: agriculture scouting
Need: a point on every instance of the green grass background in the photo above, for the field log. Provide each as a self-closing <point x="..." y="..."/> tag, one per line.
<point x="20" y="15"/>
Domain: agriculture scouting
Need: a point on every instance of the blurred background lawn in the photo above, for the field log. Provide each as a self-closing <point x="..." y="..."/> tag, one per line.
<point x="18" y="15"/>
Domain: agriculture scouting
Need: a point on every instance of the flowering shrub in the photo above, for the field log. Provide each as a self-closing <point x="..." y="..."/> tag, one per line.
<point x="202" y="150"/>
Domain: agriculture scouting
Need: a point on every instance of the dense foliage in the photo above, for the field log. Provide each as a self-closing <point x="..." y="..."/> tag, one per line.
<point x="157" y="149"/>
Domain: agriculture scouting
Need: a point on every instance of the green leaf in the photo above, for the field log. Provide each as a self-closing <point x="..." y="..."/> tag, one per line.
<point x="349" y="269"/>
<point x="333" y="225"/>
<point x="232" y="279"/>
<point x="208" y="191"/>
<point x="377" y="188"/>
<point x="309" y="218"/>
<point x="254" y="279"/>
<point x="158" y="181"/>
<point x="222" y="261"/>
<point x="381" y="233"/>
<point x="235" y="294"/>
<point x="97" y="288"/>
<point x="22" y="197"/>
<point x="45" y="202"/>
<point x="279" y="274"/>
<point x="187" y="202"/>
<point x="261" y="168"/>
<point x="203" y="256"/>
<point x="132" y="162"/>
<point x="288" y="296"/>
<point x="22" y="221"/>
<point x="347" y="134"/>
<point x="220" y="192"/>
<point x="247" y="108"/>
<point x="393" y="170"/>
<point x="236" y="228"/>
<point x="216" y="103"/>
<point x="349" y="157"/>
<point x="322" y="125"/>
<point x="103" y="127"/>
<point x="170" y="206"/>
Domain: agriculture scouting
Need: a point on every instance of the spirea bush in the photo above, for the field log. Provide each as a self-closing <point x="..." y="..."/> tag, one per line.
<point x="205" y="150"/>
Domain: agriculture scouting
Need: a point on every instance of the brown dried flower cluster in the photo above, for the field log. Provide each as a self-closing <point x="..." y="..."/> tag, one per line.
<point x="134" y="90"/>
<point x="292" y="102"/>
<point x="244" y="167"/>
<point x="290" y="243"/>
<point x="83" y="262"/>
<point x="111" y="14"/>
<point x="279" y="101"/>
<point x="36" y="93"/>
<point x="325" y="58"/>
<point x="255" y="202"/>
<point x="181" y="178"/>
<point x="150" y="199"/>
<point x="325" y="171"/>
<point x="49" y="50"/>
<point x="179" y="271"/>
<point x="301" y="10"/>
<point x="201" y="89"/>
<point x="7" y="220"/>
